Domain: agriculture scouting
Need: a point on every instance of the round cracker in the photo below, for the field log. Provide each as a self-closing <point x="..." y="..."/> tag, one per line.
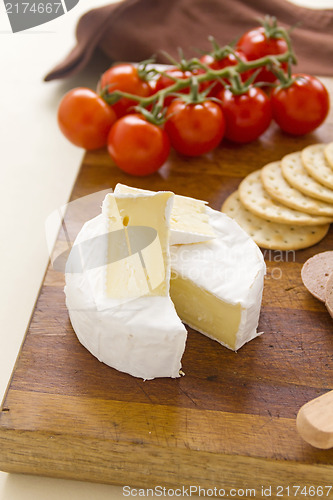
<point x="315" y="273"/>
<point x="295" y="174"/>
<point x="259" y="202"/>
<point x="272" y="235"/>
<point x="316" y="165"/>
<point x="328" y="152"/>
<point x="279" y="189"/>
<point x="329" y="294"/>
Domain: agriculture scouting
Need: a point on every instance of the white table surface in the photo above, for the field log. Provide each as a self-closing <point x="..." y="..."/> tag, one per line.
<point x="38" y="168"/>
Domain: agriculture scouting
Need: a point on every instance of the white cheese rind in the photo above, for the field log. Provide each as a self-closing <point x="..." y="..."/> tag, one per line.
<point x="144" y="337"/>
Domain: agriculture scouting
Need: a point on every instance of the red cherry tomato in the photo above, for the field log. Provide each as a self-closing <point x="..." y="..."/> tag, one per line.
<point x="302" y="107"/>
<point x="229" y="60"/>
<point x="194" y="129"/>
<point x="247" y="115"/>
<point x="164" y="82"/>
<point x="85" y="119"/>
<point x="124" y="77"/>
<point x="216" y="64"/>
<point x="255" y="44"/>
<point x="137" y="146"/>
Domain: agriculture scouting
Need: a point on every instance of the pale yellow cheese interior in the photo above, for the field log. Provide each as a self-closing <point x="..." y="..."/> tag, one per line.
<point x="187" y="214"/>
<point x="144" y="271"/>
<point x="205" y="312"/>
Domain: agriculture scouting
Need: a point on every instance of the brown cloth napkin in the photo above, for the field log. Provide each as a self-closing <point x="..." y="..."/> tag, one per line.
<point x="134" y="30"/>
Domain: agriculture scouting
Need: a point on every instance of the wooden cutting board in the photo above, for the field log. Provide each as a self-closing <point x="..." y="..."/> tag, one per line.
<point x="230" y="421"/>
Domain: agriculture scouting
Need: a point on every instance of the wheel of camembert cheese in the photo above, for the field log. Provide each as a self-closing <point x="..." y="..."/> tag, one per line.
<point x="151" y="262"/>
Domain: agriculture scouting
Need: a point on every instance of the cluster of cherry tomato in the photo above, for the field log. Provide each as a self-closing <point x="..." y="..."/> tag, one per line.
<point x="232" y="93"/>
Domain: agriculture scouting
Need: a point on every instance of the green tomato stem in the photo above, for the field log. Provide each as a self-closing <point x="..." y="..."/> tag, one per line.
<point x="210" y="74"/>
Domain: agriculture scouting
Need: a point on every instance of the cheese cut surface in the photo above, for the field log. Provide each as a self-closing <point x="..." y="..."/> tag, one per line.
<point x="189" y="222"/>
<point x="142" y="269"/>
<point x="121" y="311"/>
<point x="217" y="286"/>
<point x="205" y="312"/>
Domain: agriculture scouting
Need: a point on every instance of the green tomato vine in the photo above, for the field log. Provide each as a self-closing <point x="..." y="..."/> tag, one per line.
<point x="230" y="74"/>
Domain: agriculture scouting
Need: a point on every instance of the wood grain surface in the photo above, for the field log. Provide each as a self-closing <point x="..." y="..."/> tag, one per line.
<point x="230" y="421"/>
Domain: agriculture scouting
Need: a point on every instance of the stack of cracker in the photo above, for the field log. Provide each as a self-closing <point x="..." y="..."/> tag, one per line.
<point x="317" y="276"/>
<point x="288" y="204"/>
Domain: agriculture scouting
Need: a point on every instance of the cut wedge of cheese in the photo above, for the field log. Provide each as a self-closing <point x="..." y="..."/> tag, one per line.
<point x="188" y="222"/>
<point x="119" y="302"/>
<point x="119" y="305"/>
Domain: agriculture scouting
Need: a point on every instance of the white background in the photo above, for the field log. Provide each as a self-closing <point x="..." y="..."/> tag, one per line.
<point x="37" y="170"/>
